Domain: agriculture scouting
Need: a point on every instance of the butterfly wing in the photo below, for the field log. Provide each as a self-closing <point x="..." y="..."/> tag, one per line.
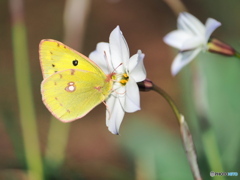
<point x="72" y="93"/>
<point x="56" y="56"/>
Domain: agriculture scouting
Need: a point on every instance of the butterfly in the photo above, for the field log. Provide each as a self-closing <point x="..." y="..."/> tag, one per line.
<point x="72" y="84"/>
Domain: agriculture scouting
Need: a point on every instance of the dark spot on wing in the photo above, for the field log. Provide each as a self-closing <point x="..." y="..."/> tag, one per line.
<point x="75" y="62"/>
<point x="53" y="65"/>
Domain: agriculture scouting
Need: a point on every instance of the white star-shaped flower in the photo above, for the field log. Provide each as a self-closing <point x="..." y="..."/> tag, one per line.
<point x="190" y="38"/>
<point x="114" y="57"/>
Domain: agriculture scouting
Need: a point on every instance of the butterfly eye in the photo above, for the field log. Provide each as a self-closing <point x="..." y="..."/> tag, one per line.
<point x="75" y="62"/>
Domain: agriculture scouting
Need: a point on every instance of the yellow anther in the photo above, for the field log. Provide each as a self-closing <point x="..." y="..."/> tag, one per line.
<point x="123" y="81"/>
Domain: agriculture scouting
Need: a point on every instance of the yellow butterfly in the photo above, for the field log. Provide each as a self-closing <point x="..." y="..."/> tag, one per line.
<point x="73" y="84"/>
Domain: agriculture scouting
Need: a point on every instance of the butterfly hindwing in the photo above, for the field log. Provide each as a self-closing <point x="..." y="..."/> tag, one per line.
<point x="71" y="94"/>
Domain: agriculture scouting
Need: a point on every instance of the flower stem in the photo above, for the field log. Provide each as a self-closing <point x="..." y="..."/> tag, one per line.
<point x="168" y="99"/>
<point x="185" y="132"/>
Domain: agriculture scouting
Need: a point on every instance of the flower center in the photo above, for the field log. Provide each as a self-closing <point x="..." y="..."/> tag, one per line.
<point x="124" y="79"/>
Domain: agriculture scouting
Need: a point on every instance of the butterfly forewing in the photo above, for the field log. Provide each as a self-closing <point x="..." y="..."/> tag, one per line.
<point x="55" y="57"/>
<point x="71" y="94"/>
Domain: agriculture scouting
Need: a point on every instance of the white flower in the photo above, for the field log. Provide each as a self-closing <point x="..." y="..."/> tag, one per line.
<point x="128" y="71"/>
<point x="190" y="38"/>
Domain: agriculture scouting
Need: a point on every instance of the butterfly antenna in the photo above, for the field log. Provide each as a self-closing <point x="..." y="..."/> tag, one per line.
<point x="117" y="67"/>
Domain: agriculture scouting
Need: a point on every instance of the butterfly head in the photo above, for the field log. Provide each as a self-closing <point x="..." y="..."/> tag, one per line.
<point x="111" y="77"/>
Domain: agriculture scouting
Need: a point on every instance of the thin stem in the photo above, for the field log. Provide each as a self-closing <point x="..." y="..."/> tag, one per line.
<point x="24" y="92"/>
<point x="176" y="5"/>
<point x="74" y="29"/>
<point x="209" y="140"/>
<point x="210" y="144"/>
<point x="212" y="153"/>
<point x="185" y="134"/>
<point x="168" y="99"/>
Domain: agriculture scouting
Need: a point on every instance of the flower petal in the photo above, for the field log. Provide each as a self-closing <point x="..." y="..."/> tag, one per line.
<point x="193" y="43"/>
<point x="114" y="119"/>
<point x="211" y="25"/>
<point x="132" y="97"/>
<point x="183" y="59"/>
<point x="101" y="56"/>
<point x="176" y="38"/>
<point x="191" y="24"/>
<point x="136" y="67"/>
<point x="133" y="61"/>
<point x="119" y="49"/>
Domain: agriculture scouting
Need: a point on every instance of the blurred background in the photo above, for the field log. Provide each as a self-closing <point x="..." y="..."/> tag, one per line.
<point x="34" y="145"/>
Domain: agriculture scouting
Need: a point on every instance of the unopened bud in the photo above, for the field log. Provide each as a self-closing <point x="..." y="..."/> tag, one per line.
<point x="145" y="85"/>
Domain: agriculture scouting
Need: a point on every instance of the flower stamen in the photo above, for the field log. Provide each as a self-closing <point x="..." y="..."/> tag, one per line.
<point x="124" y="79"/>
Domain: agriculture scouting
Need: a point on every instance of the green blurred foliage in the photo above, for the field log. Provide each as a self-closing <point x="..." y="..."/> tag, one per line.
<point x="220" y="76"/>
<point x="160" y="152"/>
